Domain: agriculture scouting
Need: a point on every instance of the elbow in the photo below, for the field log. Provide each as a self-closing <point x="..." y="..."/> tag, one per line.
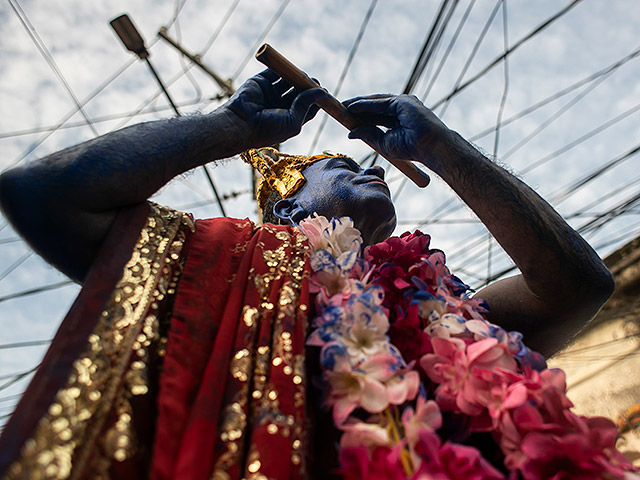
<point x="597" y="288"/>
<point x="10" y="193"/>
<point x="605" y="285"/>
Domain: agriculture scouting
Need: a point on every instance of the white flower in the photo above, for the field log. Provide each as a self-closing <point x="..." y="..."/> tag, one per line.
<point x="337" y="236"/>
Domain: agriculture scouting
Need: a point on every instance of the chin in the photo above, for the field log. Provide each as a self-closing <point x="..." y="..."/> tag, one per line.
<point x="379" y="233"/>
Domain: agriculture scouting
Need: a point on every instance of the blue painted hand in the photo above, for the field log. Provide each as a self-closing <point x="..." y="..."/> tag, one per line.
<point x="410" y="129"/>
<point x="270" y="110"/>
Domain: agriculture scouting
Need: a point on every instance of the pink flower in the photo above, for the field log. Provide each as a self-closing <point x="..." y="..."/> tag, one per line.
<point x="427" y="416"/>
<point x="365" y="385"/>
<point x="586" y="454"/>
<point x="403" y="250"/>
<point x="452" y="366"/>
<point x="451" y="461"/>
<point x="369" y="434"/>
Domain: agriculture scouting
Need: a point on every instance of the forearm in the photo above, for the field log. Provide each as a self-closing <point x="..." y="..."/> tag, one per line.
<point x="565" y="278"/>
<point x="64" y="204"/>
<point x="563" y="281"/>
<point x="127" y="166"/>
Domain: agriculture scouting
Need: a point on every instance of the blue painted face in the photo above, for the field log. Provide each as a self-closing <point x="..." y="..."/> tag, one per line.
<point x="338" y="187"/>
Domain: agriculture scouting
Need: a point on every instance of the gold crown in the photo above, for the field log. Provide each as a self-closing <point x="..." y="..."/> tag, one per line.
<point x="279" y="171"/>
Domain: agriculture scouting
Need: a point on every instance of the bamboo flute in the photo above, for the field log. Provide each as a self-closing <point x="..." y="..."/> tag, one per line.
<point x="270" y="57"/>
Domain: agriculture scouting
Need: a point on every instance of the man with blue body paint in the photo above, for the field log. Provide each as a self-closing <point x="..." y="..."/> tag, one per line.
<point x="66" y="203"/>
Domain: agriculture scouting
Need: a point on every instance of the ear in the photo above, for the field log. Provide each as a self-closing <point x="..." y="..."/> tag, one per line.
<point x="290" y="211"/>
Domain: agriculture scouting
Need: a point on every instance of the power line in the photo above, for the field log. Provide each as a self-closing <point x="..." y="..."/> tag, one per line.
<point x="15" y="265"/>
<point x="427" y="46"/>
<point x="561" y="93"/>
<point x="221" y="25"/>
<point x="42" y="48"/>
<point x="345" y="69"/>
<point x="448" y="50"/>
<point x="600" y="128"/>
<point x="598" y="223"/>
<point x="564" y="193"/>
<point x="33" y="343"/>
<point x="261" y="38"/>
<point x="433" y="37"/>
<point x="565" y="108"/>
<point x="449" y="206"/>
<point x="505" y="90"/>
<point x="16" y="378"/>
<point x="87" y="99"/>
<point x="472" y="55"/>
<point x="101" y="119"/>
<point x="515" y="47"/>
<point x="33" y="291"/>
<point x="503" y="101"/>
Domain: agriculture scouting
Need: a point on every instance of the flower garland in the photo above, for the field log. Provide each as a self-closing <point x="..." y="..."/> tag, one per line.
<point x="423" y="386"/>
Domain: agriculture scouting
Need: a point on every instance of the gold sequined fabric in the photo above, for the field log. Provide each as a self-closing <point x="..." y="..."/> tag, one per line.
<point x="90" y="426"/>
<point x="232" y="392"/>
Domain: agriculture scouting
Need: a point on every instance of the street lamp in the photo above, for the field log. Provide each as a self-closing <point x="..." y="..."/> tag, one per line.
<point x="133" y="41"/>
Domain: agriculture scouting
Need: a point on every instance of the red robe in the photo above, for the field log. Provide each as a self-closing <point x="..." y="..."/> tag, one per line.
<point x="216" y="390"/>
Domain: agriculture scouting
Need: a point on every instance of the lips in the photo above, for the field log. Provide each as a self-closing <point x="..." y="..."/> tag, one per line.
<point x="376" y="180"/>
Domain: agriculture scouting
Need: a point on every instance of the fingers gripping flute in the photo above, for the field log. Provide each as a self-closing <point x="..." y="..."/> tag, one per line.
<point x="270" y="57"/>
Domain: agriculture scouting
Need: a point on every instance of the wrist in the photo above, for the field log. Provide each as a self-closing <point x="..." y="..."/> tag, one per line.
<point x="229" y="134"/>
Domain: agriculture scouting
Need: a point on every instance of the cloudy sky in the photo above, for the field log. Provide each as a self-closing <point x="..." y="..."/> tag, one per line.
<point x="570" y="110"/>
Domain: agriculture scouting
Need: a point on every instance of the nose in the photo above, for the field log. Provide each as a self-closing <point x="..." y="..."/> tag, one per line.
<point x="376" y="170"/>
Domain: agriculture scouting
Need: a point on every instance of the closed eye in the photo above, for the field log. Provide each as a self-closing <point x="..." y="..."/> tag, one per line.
<point x="343" y="162"/>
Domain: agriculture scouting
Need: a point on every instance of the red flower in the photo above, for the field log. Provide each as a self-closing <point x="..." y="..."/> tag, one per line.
<point x="408" y="336"/>
<point x="403" y="250"/>
<point x="451" y="461"/>
<point x="383" y="464"/>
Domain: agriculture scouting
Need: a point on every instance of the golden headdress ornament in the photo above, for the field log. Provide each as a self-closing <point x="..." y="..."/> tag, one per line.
<point x="279" y="171"/>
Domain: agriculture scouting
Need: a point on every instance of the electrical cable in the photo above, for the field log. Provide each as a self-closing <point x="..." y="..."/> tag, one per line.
<point x="560" y="93"/>
<point x="513" y="48"/>
<point x="589" y="225"/>
<point x="101" y="119"/>
<point x="600" y="128"/>
<point x="448" y="50"/>
<point x="419" y="65"/>
<point x="503" y="101"/>
<point x="563" y="193"/>
<point x="44" y="51"/>
<point x="86" y="100"/>
<point x="345" y="69"/>
<point x="260" y="39"/>
<point x="425" y="53"/>
<point x="557" y="114"/>
<point x="183" y="64"/>
<point x="32" y="343"/>
<point x="221" y="25"/>
<point x="33" y="291"/>
<point x="472" y="55"/>
<point x="16" y="378"/>
<point x="15" y="265"/>
<point x="449" y="206"/>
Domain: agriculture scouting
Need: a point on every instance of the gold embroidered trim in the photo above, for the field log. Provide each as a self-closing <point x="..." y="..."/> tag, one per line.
<point x="112" y="367"/>
<point x="257" y="402"/>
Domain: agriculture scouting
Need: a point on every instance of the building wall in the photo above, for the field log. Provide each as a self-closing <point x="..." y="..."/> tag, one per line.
<point x="603" y="363"/>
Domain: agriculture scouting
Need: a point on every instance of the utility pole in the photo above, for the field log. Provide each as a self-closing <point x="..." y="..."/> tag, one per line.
<point x="133" y="41"/>
<point x="225" y="85"/>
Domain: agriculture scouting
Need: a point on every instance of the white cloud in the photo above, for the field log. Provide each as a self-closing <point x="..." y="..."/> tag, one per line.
<point x="318" y="36"/>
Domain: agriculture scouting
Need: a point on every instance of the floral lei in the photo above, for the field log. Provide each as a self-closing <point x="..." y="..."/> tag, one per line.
<point x="422" y="386"/>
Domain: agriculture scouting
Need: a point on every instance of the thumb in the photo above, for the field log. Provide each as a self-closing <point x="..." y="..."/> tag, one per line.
<point x="369" y="134"/>
<point x="304" y="107"/>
